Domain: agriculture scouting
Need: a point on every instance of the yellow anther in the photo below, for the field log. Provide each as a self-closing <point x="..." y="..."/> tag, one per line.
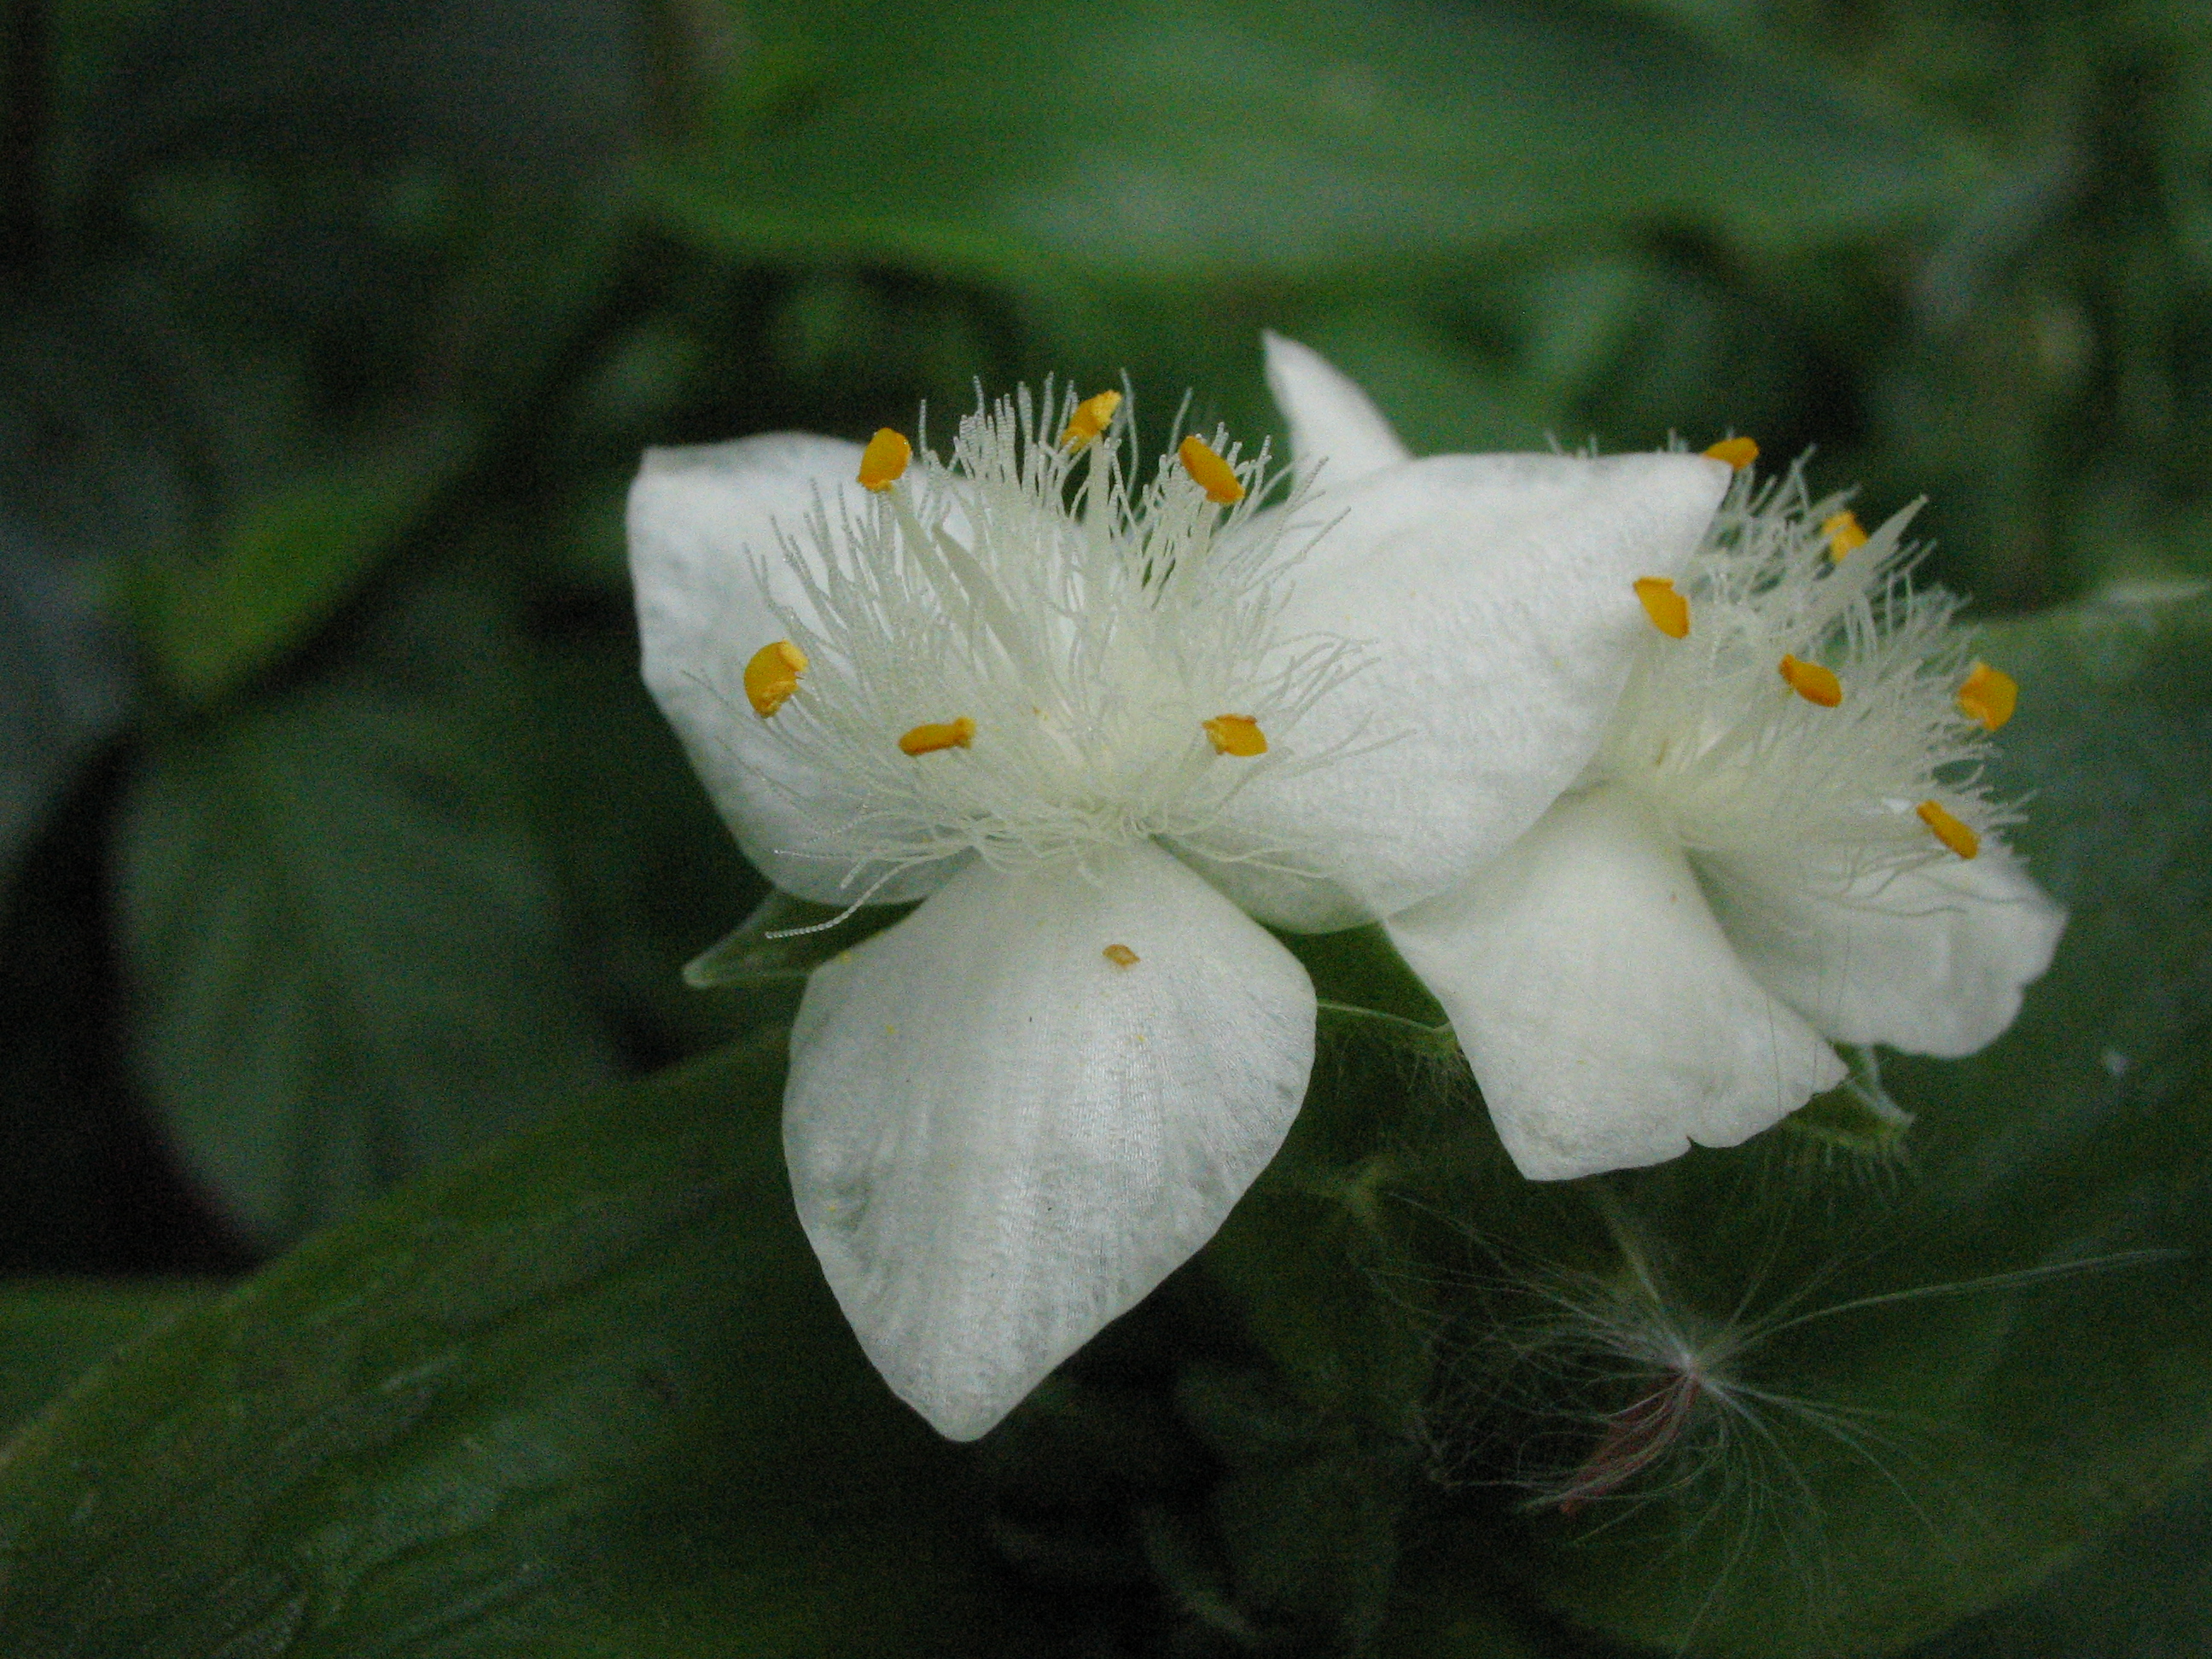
<point x="1948" y="831"/>
<point x="1236" y="734"/>
<point x="1092" y="416"/>
<point x="885" y="459"/>
<point x="773" y="674"/>
<point x="1122" y="956"/>
<point x="928" y="739"/>
<point x="1845" y="534"/>
<point x="1812" y="682"/>
<point x="1668" y="611"/>
<point x="1988" y="695"/>
<point x="1738" y="453"/>
<point x="1210" y="473"/>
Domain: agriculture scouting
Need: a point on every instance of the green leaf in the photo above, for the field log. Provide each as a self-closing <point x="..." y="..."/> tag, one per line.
<point x="52" y="1332"/>
<point x="648" y="869"/>
<point x="348" y="957"/>
<point x="2145" y="1593"/>
<point x="342" y="250"/>
<point x="280" y="568"/>
<point x="64" y="684"/>
<point x="1315" y="140"/>
<point x="586" y="1395"/>
<point x="1940" y="1379"/>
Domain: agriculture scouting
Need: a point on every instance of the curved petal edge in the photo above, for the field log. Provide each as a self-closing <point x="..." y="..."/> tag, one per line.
<point x="1605" y="1015"/>
<point x="1013" y="1114"/>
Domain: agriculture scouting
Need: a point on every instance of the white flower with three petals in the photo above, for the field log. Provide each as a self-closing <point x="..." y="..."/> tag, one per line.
<point x="1103" y="734"/>
<point x="1781" y="842"/>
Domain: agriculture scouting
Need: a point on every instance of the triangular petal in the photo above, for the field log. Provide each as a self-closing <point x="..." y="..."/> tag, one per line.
<point x="1605" y="1014"/>
<point x="1930" y="960"/>
<point x="1496" y="596"/>
<point x="1332" y="420"/>
<point x="1001" y="1137"/>
<point x="700" y="520"/>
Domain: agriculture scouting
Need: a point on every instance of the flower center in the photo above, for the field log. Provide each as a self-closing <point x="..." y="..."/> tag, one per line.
<point x="1015" y="652"/>
<point x="1741" y="734"/>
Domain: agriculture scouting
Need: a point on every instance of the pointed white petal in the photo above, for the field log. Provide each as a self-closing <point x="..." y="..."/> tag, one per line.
<point x="1605" y="1015"/>
<point x="1000" y="1139"/>
<point x="1331" y="419"/>
<point x="699" y="518"/>
<point x="1498" y="595"/>
<point x="1932" y="961"/>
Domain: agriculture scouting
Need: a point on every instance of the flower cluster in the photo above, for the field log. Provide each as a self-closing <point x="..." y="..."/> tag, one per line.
<point x="1781" y="842"/>
<point x="1653" y="790"/>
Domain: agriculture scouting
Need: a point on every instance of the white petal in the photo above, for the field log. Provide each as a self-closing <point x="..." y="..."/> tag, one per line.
<point x="698" y="519"/>
<point x="1331" y="419"/>
<point x="1605" y="1015"/>
<point x="1497" y="594"/>
<point x="1000" y="1139"/>
<point x="1931" y="960"/>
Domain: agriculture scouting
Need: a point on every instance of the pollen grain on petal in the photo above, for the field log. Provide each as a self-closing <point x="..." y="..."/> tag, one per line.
<point x="932" y="736"/>
<point x="1845" y="534"/>
<point x="1122" y="956"/>
<point x="1738" y="453"/>
<point x="773" y="674"/>
<point x="1210" y="472"/>
<point x="1989" y="697"/>
<point x="1236" y="734"/>
<point x="1812" y="682"/>
<point x="1668" y="611"/>
<point x="1091" y="417"/>
<point x="884" y="461"/>
<point x="1947" y="830"/>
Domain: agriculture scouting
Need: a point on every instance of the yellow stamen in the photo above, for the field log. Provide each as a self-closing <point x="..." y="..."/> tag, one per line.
<point x="1236" y="734"/>
<point x="1738" y="453"/>
<point x="1210" y="473"/>
<point x="773" y="674"/>
<point x="928" y="739"/>
<point x="1988" y="695"/>
<point x="1845" y="534"/>
<point x="1948" y="831"/>
<point x="1812" y="682"/>
<point x="1668" y="611"/>
<point x="1122" y="956"/>
<point x="885" y="459"/>
<point x="1092" y="416"/>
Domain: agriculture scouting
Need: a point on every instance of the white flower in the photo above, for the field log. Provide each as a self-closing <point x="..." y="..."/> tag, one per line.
<point x="1099" y="730"/>
<point x="1782" y="843"/>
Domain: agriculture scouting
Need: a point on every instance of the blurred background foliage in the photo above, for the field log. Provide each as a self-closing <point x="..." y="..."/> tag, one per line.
<point x="339" y="838"/>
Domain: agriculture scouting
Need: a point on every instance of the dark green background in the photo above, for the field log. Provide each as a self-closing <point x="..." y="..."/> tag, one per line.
<point x="341" y="847"/>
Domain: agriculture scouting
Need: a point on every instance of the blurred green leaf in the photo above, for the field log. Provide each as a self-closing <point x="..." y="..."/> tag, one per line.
<point x="649" y="871"/>
<point x="321" y="258"/>
<point x="585" y="1396"/>
<point x="1888" y="1447"/>
<point x="284" y="564"/>
<point x="347" y="954"/>
<point x="1315" y="140"/>
<point x="2145" y="1593"/>
<point x="53" y="1332"/>
<point x="65" y="684"/>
